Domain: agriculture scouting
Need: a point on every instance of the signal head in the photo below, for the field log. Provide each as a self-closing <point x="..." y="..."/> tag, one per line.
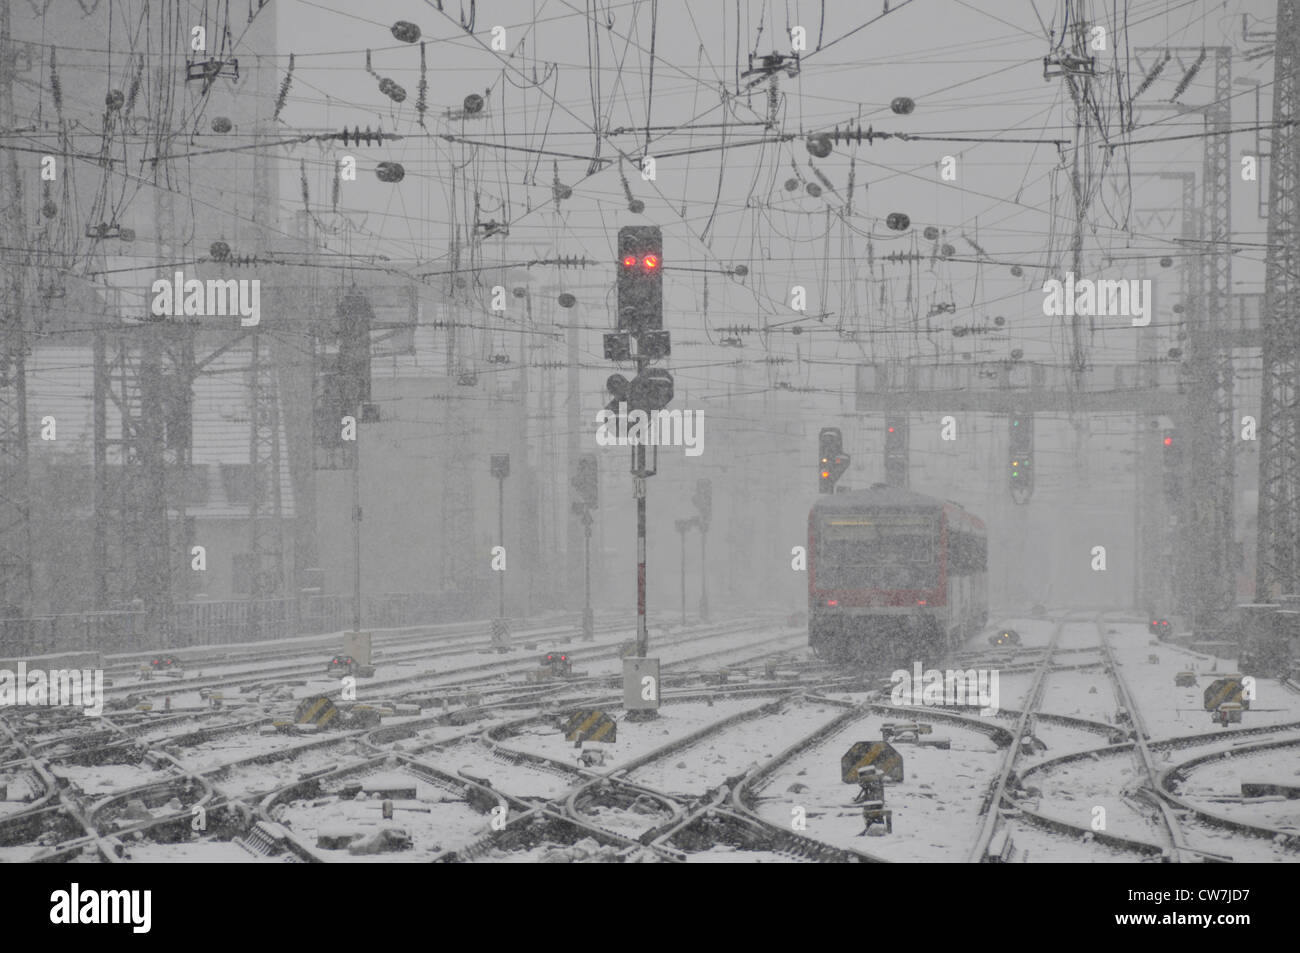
<point x="640" y="280"/>
<point x="618" y="386"/>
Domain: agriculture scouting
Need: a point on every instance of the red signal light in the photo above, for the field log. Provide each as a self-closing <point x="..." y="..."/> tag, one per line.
<point x="832" y="602"/>
<point x="629" y="261"/>
<point x="1169" y="441"/>
<point x="651" y="262"/>
<point x="564" y="658"/>
<point x="891" y="429"/>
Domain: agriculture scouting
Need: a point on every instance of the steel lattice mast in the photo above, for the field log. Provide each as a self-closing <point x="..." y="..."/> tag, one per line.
<point x="1278" y="566"/>
<point x="15" y="522"/>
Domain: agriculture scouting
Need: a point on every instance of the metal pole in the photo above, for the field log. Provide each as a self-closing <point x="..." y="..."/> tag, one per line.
<point x="704" y="575"/>
<point x="501" y="541"/>
<point x="1139" y="572"/>
<point x="642" y="632"/>
<point x="528" y="506"/>
<point x="588" y="628"/>
<point x="102" y="506"/>
<point x="575" y="429"/>
<point x="356" y="532"/>
<point x="682" y="531"/>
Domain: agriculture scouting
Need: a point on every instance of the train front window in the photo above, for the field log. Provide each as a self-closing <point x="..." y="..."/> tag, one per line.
<point x="878" y="552"/>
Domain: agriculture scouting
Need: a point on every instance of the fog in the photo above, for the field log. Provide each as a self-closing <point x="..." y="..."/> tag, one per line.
<point x="321" y="318"/>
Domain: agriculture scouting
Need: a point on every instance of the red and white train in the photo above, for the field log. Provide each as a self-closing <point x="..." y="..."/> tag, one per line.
<point x="893" y="575"/>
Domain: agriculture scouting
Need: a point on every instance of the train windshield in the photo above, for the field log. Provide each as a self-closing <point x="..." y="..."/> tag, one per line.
<point x="878" y="551"/>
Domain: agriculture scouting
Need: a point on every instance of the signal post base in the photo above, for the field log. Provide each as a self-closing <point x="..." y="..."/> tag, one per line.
<point x="501" y="634"/>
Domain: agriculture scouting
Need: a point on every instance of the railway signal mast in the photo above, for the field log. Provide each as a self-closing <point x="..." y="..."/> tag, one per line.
<point x="896" y="451"/>
<point x="1021" y="450"/>
<point x="834" y="461"/>
<point x="1173" y="465"/>
<point x="640" y="320"/>
<point x="587" y="483"/>
<point x="500" y="464"/>
<point x="703" y="500"/>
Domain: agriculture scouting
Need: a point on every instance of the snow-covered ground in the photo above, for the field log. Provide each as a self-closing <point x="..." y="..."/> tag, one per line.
<point x="935" y="808"/>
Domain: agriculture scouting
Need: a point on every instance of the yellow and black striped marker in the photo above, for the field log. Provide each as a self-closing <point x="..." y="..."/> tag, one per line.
<point x="318" y="711"/>
<point x="871" y="754"/>
<point x="1225" y="691"/>
<point x="590" y="726"/>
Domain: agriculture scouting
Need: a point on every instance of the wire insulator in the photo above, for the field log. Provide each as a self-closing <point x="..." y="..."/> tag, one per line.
<point x="1188" y="77"/>
<point x="284" y="90"/>
<point x="1152" y="75"/>
<point x="55" y="86"/>
<point x="422" y="102"/>
<point x="136" y="80"/>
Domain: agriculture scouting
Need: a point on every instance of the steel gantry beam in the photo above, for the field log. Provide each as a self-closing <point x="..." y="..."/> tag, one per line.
<point x="1278" y="560"/>
<point x="1001" y="387"/>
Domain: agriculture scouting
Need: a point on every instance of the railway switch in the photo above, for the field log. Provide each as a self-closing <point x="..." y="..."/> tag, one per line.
<point x="1226" y="691"/>
<point x="871" y="795"/>
<point x="871" y="754"/>
<point x="1001" y="850"/>
<point x="1031" y="744"/>
<point x="904" y="730"/>
<point x="1228" y="714"/>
